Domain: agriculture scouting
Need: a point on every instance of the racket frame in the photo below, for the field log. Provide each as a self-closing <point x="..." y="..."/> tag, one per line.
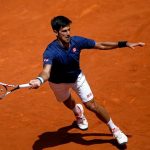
<point x="14" y="87"/>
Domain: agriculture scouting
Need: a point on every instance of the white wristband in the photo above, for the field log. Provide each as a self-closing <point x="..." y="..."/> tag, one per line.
<point x="41" y="79"/>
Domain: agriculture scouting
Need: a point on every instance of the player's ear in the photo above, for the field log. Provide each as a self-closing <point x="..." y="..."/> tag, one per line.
<point x="56" y="32"/>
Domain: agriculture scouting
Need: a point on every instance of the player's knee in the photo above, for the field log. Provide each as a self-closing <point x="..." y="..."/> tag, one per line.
<point x="91" y="105"/>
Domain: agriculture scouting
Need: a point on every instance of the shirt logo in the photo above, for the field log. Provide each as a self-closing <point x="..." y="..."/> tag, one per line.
<point x="74" y="49"/>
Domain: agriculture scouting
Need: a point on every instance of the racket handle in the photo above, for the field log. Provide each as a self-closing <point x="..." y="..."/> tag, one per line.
<point x="25" y="85"/>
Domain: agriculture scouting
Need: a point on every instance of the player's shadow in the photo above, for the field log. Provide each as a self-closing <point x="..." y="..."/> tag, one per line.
<point x="62" y="136"/>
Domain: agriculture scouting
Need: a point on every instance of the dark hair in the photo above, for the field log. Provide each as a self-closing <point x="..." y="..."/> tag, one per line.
<point x="60" y="21"/>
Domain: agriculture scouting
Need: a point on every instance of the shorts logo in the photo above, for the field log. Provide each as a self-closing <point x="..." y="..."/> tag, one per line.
<point x="74" y="49"/>
<point x="89" y="95"/>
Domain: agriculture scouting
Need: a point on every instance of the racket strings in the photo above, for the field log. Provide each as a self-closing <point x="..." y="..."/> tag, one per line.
<point x="3" y="90"/>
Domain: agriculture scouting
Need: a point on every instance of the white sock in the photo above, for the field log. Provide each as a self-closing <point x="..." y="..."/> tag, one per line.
<point x="111" y="125"/>
<point x="77" y="111"/>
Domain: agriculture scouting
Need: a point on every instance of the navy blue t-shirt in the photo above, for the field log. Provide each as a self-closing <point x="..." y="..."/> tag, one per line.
<point x="65" y="62"/>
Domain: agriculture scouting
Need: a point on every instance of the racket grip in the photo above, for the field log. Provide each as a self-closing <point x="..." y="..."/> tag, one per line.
<point x="25" y="85"/>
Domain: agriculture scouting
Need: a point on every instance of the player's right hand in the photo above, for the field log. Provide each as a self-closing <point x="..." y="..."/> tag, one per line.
<point x="35" y="83"/>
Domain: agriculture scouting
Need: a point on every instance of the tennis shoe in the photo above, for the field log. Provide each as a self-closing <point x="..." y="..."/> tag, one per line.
<point x="81" y="120"/>
<point x="119" y="136"/>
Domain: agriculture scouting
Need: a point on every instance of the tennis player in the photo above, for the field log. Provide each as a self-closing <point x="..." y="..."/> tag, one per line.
<point x="61" y="68"/>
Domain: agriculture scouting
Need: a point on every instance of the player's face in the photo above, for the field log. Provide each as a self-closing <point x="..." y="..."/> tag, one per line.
<point x="64" y="34"/>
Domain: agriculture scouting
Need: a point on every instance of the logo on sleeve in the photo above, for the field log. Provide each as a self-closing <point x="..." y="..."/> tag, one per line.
<point x="46" y="60"/>
<point x="74" y="49"/>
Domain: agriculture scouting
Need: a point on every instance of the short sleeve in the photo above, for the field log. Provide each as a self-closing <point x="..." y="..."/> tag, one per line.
<point x="47" y="57"/>
<point x="86" y="43"/>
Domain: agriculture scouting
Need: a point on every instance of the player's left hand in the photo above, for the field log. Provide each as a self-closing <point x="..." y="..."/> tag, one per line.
<point x="133" y="45"/>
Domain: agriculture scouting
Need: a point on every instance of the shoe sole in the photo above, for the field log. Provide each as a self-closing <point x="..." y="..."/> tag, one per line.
<point x="83" y="129"/>
<point x="124" y="143"/>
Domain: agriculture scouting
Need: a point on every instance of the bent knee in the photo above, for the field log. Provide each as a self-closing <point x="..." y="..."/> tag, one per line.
<point x="91" y="105"/>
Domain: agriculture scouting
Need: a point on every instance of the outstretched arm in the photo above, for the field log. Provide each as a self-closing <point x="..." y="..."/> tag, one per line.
<point x="113" y="45"/>
<point x="42" y="77"/>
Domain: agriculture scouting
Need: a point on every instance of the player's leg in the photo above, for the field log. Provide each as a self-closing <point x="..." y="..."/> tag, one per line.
<point x="82" y="88"/>
<point x="78" y="111"/>
<point x="103" y="115"/>
<point x="63" y="94"/>
<point x="98" y="109"/>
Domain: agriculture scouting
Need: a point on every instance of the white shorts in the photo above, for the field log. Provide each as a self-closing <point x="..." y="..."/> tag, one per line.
<point x="81" y="87"/>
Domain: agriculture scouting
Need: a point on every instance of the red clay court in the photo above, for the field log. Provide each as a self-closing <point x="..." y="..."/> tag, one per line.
<point x="120" y="79"/>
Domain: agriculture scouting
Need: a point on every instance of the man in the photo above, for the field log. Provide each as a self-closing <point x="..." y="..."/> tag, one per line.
<point x="61" y="68"/>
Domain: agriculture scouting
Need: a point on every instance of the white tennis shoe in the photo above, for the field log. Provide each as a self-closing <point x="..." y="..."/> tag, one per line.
<point x="81" y="120"/>
<point x="119" y="136"/>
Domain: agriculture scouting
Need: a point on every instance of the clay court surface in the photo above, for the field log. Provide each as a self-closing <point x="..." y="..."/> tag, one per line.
<point x="120" y="79"/>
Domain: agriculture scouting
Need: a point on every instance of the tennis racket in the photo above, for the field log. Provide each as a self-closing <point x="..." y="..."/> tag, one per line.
<point x="6" y="89"/>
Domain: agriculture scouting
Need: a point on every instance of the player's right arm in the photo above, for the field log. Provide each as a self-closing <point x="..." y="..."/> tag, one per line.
<point x="42" y="77"/>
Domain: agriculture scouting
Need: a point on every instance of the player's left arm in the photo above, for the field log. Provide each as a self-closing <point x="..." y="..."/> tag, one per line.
<point x="114" y="45"/>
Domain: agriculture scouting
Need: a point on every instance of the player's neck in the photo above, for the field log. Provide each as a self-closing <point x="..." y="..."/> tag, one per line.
<point x="64" y="44"/>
